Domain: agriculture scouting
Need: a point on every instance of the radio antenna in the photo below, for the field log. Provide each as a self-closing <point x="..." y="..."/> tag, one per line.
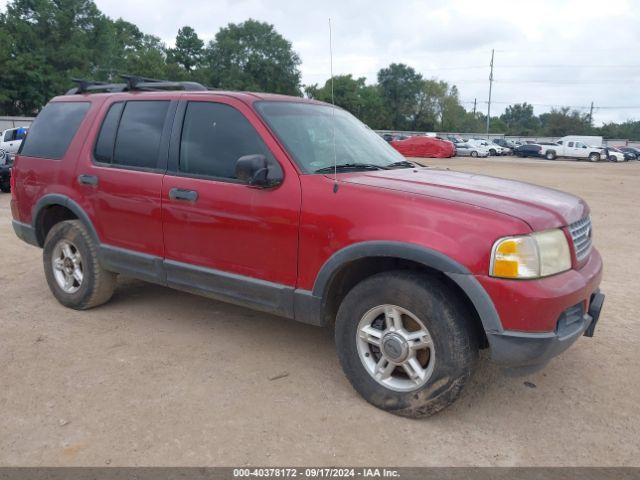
<point x="333" y="114"/>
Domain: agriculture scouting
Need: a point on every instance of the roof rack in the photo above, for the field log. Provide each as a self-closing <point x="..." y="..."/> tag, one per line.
<point x="133" y="83"/>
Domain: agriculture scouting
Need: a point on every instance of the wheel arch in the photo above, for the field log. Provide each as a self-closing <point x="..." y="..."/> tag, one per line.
<point x="54" y="208"/>
<point x="356" y="262"/>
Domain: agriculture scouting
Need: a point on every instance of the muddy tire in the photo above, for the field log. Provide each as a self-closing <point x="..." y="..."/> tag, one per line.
<point x="406" y="343"/>
<point x="72" y="269"/>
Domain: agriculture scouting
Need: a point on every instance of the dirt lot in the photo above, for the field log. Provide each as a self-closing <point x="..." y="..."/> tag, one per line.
<point x="159" y="377"/>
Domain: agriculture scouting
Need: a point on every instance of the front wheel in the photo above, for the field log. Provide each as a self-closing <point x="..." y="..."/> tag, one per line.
<point x="474" y="154"/>
<point x="594" y="157"/>
<point x="405" y="343"/>
<point x="550" y="155"/>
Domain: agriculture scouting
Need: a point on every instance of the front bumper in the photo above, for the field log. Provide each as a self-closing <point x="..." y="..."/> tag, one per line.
<point x="527" y="352"/>
<point x="542" y="318"/>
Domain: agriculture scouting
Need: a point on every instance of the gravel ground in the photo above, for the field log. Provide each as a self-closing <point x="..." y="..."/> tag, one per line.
<point x="159" y="377"/>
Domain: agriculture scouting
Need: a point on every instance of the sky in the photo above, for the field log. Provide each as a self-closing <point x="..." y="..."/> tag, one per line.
<point x="547" y="52"/>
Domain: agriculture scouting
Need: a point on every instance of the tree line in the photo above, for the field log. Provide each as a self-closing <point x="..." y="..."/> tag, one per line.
<point x="46" y="43"/>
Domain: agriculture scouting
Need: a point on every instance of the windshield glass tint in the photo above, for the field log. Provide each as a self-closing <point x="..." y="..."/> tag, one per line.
<point x="307" y="131"/>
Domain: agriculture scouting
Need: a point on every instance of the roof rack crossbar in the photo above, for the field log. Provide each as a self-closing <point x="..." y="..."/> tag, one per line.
<point x="133" y="83"/>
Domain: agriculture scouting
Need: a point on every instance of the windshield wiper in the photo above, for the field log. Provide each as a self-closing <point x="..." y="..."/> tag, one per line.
<point x="401" y="163"/>
<point x="350" y="166"/>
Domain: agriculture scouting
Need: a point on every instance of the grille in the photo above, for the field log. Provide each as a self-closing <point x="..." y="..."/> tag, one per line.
<point x="581" y="235"/>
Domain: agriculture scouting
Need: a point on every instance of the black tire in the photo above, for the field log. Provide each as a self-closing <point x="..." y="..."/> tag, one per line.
<point x="492" y="152"/>
<point x="5" y="187"/>
<point x="474" y="154"/>
<point x="97" y="283"/>
<point x="550" y="155"/>
<point x="444" y="315"/>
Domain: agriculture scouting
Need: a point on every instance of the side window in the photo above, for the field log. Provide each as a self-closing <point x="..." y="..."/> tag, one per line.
<point x="9" y="135"/>
<point x="139" y="133"/>
<point x="214" y="136"/>
<point x="559" y="142"/>
<point x="570" y="144"/>
<point x="53" y="129"/>
<point x="103" y="151"/>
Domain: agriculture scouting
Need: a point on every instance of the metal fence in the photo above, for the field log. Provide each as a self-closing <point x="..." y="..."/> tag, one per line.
<point x="13" y="122"/>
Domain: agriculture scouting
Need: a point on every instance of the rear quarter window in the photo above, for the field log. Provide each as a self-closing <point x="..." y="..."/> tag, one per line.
<point x="53" y="129"/>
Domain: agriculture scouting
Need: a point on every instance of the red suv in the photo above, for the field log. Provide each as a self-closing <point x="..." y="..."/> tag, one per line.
<point x="295" y="208"/>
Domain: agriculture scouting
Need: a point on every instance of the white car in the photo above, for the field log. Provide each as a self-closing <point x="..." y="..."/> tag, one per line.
<point x="468" y="150"/>
<point x="482" y="146"/>
<point x="615" y="155"/>
<point x="10" y="141"/>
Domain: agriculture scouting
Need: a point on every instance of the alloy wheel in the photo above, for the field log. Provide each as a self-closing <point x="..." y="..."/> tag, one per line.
<point x="395" y="348"/>
<point x="67" y="266"/>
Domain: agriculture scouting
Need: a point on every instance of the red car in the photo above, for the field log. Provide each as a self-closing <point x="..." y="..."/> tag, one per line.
<point x="429" y="147"/>
<point x="295" y="208"/>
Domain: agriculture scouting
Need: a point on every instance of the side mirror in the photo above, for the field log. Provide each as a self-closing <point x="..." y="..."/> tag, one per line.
<point x="258" y="171"/>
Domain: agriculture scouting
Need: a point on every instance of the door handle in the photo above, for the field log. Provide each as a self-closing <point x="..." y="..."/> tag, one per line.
<point x="88" y="180"/>
<point x="181" y="194"/>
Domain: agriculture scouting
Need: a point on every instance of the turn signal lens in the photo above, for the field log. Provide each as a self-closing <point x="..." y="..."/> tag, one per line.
<point x="515" y="257"/>
<point x="531" y="256"/>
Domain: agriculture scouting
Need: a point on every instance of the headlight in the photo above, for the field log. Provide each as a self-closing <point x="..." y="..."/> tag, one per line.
<point x="531" y="256"/>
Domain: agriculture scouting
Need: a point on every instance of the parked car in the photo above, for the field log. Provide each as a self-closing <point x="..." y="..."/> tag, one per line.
<point x="613" y="154"/>
<point x="5" y="173"/>
<point x="294" y="207"/>
<point x="505" y="143"/>
<point x="467" y="150"/>
<point x="491" y="149"/>
<point x="427" y="147"/>
<point x="10" y="141"/>
<point x="634" y="152"/>
<point x="528" y="150"/>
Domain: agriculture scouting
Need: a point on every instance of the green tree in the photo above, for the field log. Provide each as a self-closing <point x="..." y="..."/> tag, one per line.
<point x="188" y="50"/>
<point x="564" y="121"/>
<point x="363" y="101"/>
<point x="48" y="42"/>
<point x="252" y="56"/>
<point x="400" y="86"/>
<point x="520" y="120"/>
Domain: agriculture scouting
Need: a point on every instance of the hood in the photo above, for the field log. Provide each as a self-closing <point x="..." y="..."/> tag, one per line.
<point x="540" y="207"/>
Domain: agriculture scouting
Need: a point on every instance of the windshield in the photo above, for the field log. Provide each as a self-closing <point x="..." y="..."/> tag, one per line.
<point x="307" y="131"/>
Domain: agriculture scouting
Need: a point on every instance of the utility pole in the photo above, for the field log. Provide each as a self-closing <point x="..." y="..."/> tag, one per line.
<point x="591" y="114"/>
<point x="474" y="106"/>
<point x="489" y="103"/>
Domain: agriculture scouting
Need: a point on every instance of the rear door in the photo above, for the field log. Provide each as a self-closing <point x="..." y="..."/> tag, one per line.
<point x="223" y="237"/>
<point x="120" y="178"/>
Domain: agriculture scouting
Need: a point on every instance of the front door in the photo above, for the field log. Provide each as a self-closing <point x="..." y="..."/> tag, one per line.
<point x="221" y="236"/>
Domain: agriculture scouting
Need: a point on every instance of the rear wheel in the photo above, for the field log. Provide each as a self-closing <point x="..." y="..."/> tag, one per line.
<point x="5" y="187"/>
<point x="594" y="157"/>
<point x="474" y="154"/>
<point x="72" y="269"/>
<point x="404" y="343"/>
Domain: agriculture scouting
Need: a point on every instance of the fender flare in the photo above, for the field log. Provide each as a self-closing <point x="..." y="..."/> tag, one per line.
<point x="434" y="259"/>
<point x="64" y="201"/>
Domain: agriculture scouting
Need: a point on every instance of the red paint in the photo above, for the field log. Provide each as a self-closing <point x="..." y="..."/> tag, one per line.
<point x="285" y="235"/>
